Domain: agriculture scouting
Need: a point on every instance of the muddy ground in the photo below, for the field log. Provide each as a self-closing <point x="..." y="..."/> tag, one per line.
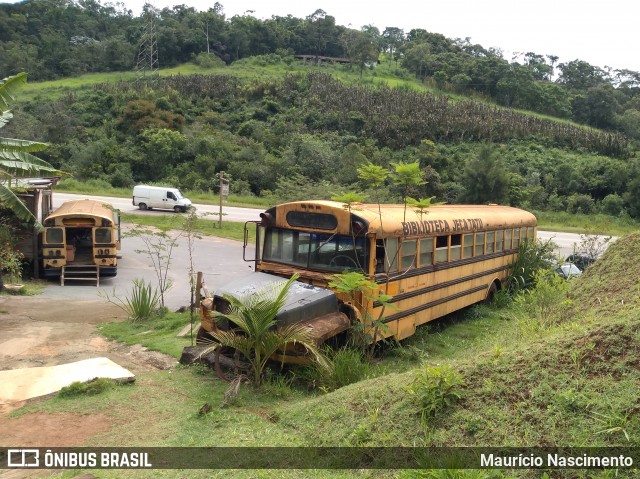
<point x="41" y="332"/>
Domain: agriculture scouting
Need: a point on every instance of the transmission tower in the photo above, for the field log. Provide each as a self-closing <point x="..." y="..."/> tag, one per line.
<point x="148" y="53"/>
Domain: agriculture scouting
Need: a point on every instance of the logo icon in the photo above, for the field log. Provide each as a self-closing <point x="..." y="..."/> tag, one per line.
<point x="23" y="458"/>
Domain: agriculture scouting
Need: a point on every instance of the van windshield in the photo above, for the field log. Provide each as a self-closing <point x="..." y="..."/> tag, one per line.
<point x="178" y="195"/>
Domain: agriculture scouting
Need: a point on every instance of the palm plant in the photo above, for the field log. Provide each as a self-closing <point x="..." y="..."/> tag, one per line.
<point x="15" y="155"/>
<point x="256" y="335"/>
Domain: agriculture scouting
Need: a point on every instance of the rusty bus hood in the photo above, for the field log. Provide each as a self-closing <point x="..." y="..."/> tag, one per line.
<point x="315" y="306"/>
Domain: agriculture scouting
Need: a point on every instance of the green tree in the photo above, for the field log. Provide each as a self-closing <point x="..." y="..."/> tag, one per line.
<point x="392" y="41"/>
<point x="485" y="178"/>
<point x="360" y="48"/>
<point x="407" y="177"/>
<point x="256" y="334"/>
<point x="15" y="155"/>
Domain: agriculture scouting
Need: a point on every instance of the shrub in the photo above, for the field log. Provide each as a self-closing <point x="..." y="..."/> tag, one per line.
<point x="208" y="60"/>
<point x="547" y="301"/>
<point x="532" y="256"/>
<point x="143" y="303"/>
<point x="612" y="204"/>
<point x="435" y="389"/>
<point x="579" y="203"/>
<point x="347" y="366"/>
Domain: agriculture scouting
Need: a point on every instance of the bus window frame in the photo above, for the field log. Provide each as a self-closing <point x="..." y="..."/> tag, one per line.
<point x="429" y="254"/>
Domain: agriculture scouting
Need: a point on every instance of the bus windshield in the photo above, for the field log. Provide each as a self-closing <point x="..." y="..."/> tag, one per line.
<point x="316" y="251"/>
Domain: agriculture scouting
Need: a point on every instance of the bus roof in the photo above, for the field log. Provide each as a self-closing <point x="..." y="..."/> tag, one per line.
<point x="84" y="207"/>
<point x="395" y="220"/>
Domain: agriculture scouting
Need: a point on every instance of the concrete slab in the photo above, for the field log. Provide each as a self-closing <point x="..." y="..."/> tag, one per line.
<point x="27" y="383"/>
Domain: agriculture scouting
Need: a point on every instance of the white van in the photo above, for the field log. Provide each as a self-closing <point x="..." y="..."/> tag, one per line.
<point x="147" y="197"/>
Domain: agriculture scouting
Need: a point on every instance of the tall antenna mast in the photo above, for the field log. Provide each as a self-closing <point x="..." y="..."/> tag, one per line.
<point x="148" y="53"/>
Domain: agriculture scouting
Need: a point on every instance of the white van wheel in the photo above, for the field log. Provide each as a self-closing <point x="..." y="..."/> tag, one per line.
<point x="177" y="209"/>
<point x="142" y="206"/>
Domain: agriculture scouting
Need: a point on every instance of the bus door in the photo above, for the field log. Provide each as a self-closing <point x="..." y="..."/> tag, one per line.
<point x="116" y="222"/>
<point x="54" y="251"/>
<point x="104" y="245"/>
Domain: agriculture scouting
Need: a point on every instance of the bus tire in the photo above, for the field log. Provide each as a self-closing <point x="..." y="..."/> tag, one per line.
<point x="142" y="206"/>
<point x="493" y="289"/>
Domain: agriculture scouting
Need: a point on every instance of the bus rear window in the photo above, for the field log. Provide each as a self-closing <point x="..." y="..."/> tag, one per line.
<point x="103" y="235"/>
<point x="54" y="235"/>
<point x="304" y="219"/>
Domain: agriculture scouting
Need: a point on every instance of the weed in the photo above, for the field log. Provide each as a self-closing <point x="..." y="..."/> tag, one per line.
<point x="572" y="401"/>
<point x="362" y="434"/>
<point x="278" y="385"/>
<point x="578" y="355"/>
<point x="346" y="366"/>
<point x="613" y="423"/>
<point x="143" y="303"/>
<point x="89" y="388"/>
<point x="547" y="302"/>
<point x="434" y="389"/>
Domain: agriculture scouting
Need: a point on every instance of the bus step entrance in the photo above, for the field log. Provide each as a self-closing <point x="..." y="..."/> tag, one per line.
<point x="80" y="272"/>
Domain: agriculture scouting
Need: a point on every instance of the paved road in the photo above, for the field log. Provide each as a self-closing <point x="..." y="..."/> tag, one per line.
<point x="230" y="213"/>
<point x="219" y="259"/>
<point x="567" y="242"/>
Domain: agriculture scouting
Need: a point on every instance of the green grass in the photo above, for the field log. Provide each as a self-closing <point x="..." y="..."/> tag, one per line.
<point x="230" y="229"/>
<point x="158" y="334"/>
<point x="581" y="223"/>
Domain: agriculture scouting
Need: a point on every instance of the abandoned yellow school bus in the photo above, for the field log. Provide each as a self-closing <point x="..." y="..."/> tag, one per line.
<point x="80" y="241"/>
<point x="431" y="263"/>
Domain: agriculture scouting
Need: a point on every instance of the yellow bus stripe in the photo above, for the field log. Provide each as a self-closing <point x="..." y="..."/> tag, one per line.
<point x="428" y="289"/>
<point x="422" y="307"/>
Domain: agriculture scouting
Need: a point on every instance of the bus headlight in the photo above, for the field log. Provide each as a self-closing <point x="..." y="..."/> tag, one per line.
<point x="100" y="252"/>
<point x="57" y="252"/>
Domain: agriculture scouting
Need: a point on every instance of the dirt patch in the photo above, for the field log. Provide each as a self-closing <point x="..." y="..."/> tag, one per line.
<point x="44" y="430"/>
<point x="40" y="332"/>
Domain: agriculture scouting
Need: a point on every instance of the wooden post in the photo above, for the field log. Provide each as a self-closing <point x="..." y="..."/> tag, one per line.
<point x="198" y="288"/>
<point x="221" y="186"/>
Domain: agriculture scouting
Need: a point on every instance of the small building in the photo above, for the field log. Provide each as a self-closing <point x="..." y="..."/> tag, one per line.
<point x="36" y="194"/>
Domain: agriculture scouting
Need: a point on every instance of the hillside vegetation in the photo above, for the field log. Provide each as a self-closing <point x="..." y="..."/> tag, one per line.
<point x="299" y="133"/>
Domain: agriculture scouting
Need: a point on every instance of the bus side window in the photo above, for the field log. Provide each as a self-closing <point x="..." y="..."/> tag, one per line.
<point x="392" y="254"/>
<point x="530" y="233"/>
<point x="442" y="249"/>
<point x="499" y="240"/>
<point x="408" y="254"/>
<point x="479" y="244"/>
<point x="426" y="252"/>
<point x="507" y="239"/>
<point x="490" y="241"/>
<point x="468" y="246"/>
<point x="516" y="238"/>
<point x="379" y="256"/>
<point x="456" y="247"/>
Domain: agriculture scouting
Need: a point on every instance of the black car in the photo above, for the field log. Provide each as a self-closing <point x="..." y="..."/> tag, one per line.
<point x="580" y="260"/>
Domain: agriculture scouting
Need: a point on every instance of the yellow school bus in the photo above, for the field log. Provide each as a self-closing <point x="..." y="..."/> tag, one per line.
<point x="430" y="262"/>
<point x="80" y="240"/>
